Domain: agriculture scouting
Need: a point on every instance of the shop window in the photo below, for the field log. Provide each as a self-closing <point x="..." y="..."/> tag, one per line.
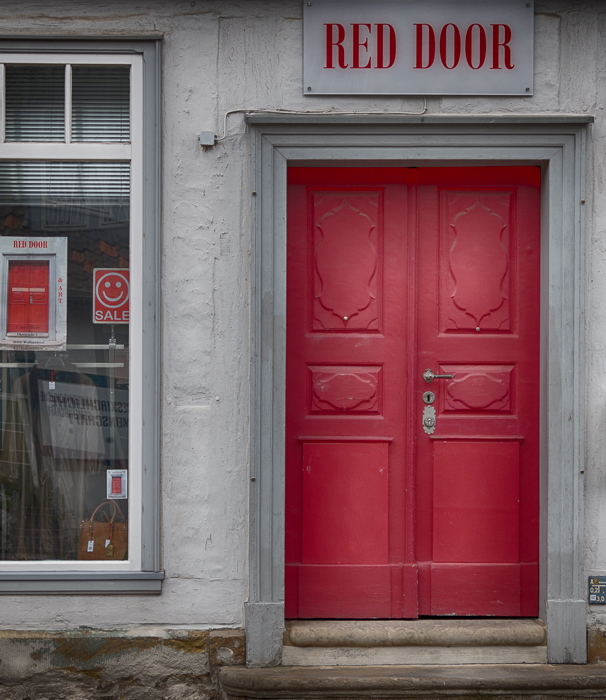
<point x="71" y="323"/>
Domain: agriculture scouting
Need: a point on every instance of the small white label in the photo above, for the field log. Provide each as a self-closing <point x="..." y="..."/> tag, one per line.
<point x="91" y="544"/>
<point x="51" y="385"/>
<point x="107" y="543"/>
<point x="593" y="597"/>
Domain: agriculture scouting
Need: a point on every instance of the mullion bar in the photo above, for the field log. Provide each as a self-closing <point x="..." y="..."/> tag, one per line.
<point x="3" y="99"/>
<point x="68" y="103"/>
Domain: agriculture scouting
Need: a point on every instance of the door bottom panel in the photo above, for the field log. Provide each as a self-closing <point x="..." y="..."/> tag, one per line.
<point x="479" y="589"/>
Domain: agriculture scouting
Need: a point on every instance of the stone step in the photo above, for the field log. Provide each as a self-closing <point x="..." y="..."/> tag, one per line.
<point x="420" y="633"/>
<point x="502" y="681"/>
<point x="414" y="642"/>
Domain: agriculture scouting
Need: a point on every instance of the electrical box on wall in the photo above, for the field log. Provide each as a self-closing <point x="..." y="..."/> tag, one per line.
<point x="33" y="293"/>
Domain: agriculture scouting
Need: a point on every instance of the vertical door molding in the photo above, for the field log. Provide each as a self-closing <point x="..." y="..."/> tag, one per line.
<point x="554" y="143"/>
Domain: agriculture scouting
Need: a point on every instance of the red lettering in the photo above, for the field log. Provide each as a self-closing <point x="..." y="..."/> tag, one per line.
<point x="497" y="43"/>
<point x="469" y="48"/>
<point x="431" y="45"/>
<point x="330" y="43"/>
<point x="380" y="45"/>
<point x="456" y="52"/>
<point x="357" y="45"/>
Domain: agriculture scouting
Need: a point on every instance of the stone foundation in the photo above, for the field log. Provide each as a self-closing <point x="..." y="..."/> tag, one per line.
<point x="136" y="664"/>
<point x="596" y="644"/>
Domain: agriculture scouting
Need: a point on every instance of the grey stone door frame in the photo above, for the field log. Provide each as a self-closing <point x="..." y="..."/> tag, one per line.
<point x="556" y="143"/>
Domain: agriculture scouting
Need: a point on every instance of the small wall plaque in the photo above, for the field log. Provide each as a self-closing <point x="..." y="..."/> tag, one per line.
<point x="597" y="590"/>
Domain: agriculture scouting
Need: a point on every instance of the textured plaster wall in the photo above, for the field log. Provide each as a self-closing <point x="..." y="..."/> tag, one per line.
<point x="219" y="56"/>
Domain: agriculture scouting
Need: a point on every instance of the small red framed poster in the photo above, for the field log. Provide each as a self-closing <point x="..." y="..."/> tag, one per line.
<point x="111" y="295"/>
<point x="33" y="293"/>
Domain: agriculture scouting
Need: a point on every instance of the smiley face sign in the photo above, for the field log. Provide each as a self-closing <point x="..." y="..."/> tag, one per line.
<point x="111" y="295"/>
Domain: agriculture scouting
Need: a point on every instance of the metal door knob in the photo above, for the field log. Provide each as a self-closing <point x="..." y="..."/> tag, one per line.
<point x="429" y="376"/>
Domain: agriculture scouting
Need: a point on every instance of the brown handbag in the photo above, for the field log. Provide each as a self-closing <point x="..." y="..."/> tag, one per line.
<point x="104" y="540"/>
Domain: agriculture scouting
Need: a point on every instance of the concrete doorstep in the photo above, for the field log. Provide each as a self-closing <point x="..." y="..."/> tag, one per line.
<point x="505" y="681"/>
<point x="413" y="642"/>
<point x="424" y="633"/>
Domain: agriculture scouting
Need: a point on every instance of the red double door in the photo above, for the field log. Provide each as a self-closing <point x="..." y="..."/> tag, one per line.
<point x="406" y="497"/>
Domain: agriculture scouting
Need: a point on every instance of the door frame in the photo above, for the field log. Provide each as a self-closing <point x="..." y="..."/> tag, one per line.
<point x="557" y="144"/>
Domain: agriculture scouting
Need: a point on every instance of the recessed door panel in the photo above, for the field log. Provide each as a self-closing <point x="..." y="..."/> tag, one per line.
<point x="345" y="503"/>
<point x="476" y="501"/>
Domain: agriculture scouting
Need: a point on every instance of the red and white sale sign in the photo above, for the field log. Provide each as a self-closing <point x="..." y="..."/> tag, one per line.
<point x="111" y="295"/>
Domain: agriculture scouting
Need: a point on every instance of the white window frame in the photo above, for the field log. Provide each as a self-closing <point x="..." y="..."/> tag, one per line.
<point x="141" y="572"/>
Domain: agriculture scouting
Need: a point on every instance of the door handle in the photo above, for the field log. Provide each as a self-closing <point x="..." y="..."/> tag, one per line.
<point x="429" y="376"/>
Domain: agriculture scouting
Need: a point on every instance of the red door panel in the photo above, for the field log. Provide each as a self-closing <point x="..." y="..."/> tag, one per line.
<point x="345" y="503"/>
<point x="347" y="591"/>
<point x="478" y="524"/>
<point x="28" y="296"/>
<point x="346" y="548"/>
<point x="390" y="272"/>
<point x="477" y="474"/>
<point x="476" y="589"/>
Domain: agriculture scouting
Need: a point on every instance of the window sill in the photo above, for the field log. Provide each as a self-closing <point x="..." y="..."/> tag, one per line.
<point x="82" y="583"/>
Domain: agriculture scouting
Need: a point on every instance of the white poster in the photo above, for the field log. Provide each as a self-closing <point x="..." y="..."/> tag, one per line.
<point x="81" y="421"/>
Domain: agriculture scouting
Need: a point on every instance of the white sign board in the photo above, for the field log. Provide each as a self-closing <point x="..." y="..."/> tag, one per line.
<point x="83" y="422"/>
<point x="418" y="47"/>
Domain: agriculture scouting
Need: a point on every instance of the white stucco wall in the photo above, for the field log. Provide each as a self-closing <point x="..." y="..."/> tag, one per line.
<point x="219" y="56"/>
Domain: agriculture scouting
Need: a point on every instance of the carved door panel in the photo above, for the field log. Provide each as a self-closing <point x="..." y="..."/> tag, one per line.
<point x="390" y="271"/>
<point x="28" y="297"/>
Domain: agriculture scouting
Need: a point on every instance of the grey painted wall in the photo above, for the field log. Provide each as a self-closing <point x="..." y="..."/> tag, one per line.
<point x="219" y="56"/>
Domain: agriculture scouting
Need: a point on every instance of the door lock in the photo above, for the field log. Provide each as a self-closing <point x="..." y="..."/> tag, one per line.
<point x="428" y="397"/>
<point x="429" y="419"/>
<point x="429" y="376"/>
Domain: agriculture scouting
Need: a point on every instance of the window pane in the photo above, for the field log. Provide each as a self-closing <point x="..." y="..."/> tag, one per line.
<point x="64" y="412"/>
<point x="100" y="103"/>
<point x="22" y="181"/>
<point x="35" y="103"/>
